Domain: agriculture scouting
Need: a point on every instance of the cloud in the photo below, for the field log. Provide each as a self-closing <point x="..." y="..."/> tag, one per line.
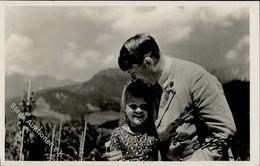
<point x="17" y="45"/>
<point x="72" y="45"/>
<point x="222" y="16"/>
<point x="78" y="41"/>
<point x="80" y="61"/>
<point x="18" y="53"/>
<point x="103" y="39"/>
<point x="174" y="24"/>
<point x="231" y="54"/>
<point x="86" y="62"/>
<point x="110" y="60"/>
<point x="239" y="49"/>
<point x="224" y="12"/>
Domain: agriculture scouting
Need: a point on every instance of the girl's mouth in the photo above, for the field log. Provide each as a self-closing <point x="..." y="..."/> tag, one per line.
<point x="138" y="115"/>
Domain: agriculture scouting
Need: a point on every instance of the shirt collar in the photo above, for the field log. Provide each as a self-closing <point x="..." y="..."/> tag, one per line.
<point x="166" y="71"/>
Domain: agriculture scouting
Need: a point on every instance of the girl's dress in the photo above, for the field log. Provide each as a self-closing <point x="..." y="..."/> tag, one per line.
<point x="135" y="146"/>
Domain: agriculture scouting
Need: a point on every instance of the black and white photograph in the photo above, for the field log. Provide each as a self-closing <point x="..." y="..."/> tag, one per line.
<point x="118" y="83"/>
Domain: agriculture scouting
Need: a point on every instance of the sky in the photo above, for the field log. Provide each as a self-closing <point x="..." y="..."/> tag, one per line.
<point x="75" y="42"/>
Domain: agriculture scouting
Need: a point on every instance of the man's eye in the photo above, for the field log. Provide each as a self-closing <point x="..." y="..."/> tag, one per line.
<point x="133" y="106"/>
<point x="133" y="75"/>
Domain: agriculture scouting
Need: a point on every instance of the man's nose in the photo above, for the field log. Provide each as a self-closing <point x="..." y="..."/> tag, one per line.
<point x="133" y="76"/>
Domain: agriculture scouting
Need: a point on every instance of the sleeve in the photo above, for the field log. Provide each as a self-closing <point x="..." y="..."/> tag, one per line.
<point x="115" y="141"/>
<point x="212" y="108"/>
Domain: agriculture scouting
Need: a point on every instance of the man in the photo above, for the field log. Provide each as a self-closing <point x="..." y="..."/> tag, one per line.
<point x="194" y="121"/>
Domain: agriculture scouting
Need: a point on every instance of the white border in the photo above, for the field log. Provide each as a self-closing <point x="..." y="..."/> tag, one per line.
<point x="254" y="83"/>
<point x="254" y="77"/>
<point x="130" y="3"/>
<point x="2" y="89"/>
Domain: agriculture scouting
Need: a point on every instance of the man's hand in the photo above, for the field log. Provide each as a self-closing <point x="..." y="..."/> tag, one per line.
<point x="114" y="155"/>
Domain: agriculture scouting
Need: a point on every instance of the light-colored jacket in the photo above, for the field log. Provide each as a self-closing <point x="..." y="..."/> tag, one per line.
<point x="194" y="121"/>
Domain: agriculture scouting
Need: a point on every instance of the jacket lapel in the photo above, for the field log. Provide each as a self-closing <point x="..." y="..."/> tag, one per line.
<point x="166" y="99"/>
<point x="169" y="91"/>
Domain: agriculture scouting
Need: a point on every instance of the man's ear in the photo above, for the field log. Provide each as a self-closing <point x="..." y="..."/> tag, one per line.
<point x="148" y="62"/>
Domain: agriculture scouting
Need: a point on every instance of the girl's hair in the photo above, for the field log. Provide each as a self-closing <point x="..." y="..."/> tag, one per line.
<point x="138" y="89"/>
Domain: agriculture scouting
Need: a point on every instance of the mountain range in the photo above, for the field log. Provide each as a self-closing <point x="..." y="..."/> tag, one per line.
<point x="99" y="94"/>
<point x="16" y="84"/>
<point x="92" y="99"/>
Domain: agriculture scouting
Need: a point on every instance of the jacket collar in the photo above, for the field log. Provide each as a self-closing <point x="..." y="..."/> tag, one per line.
<point x="166" y="71"/>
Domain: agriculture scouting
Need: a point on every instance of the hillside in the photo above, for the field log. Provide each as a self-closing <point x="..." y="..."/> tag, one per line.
<point x="106" y="84"/>
<point x="100" y="93"/>
<point x="98" y="101"/>
<point x="16" y="84"/>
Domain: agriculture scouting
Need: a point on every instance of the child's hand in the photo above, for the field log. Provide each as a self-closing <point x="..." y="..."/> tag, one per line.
<point x="114" y="156"/>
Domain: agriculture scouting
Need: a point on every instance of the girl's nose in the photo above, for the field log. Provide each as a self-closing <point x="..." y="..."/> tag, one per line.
<point x="138" y="110"/>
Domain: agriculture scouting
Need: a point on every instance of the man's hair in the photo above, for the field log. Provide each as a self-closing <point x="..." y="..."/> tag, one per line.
<point x="134" y="49"/>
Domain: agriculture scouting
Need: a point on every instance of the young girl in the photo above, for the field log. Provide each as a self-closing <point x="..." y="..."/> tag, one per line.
<point x="136" y="136"/>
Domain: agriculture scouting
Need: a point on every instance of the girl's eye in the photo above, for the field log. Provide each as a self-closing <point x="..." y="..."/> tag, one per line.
<point x="144" y="106"/>
<point x="133" y="106"/>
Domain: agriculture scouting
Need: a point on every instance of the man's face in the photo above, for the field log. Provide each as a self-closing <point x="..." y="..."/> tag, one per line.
<point x="144" y="73"/>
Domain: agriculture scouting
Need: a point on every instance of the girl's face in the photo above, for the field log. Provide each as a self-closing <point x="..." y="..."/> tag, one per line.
<point x="136" y="110"/>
